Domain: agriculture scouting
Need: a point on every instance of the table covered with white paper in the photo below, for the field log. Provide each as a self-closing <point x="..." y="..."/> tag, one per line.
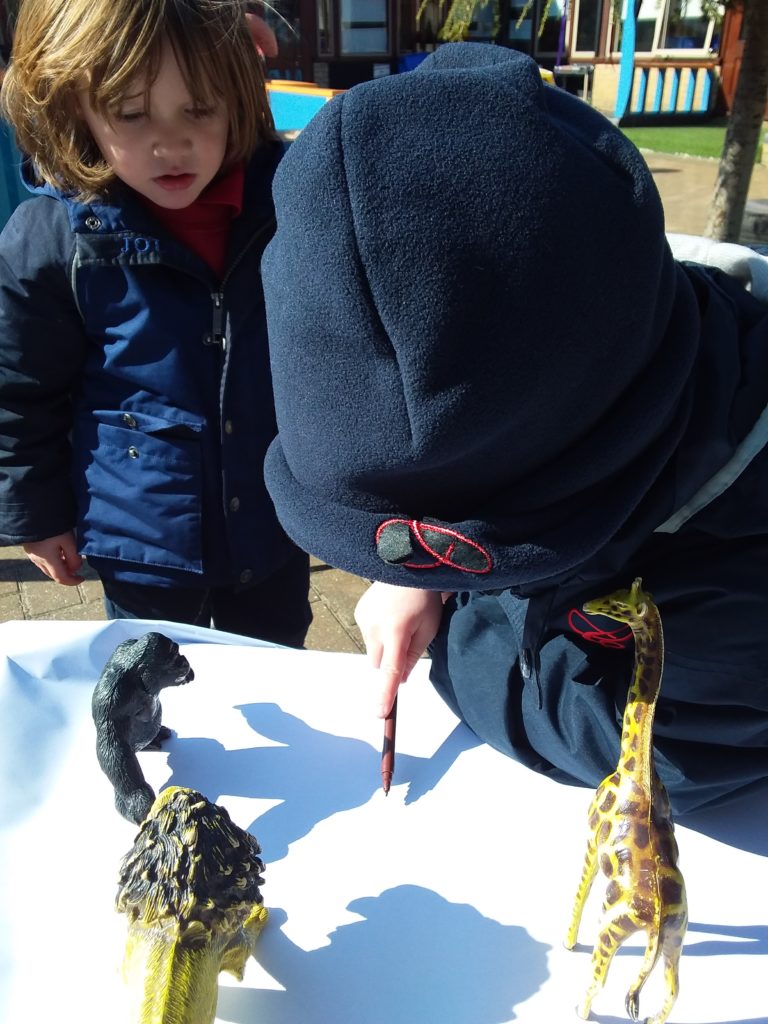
<point x="446" y="901"/>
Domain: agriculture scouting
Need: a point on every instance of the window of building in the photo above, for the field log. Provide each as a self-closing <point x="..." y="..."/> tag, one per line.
<point x="324" y="28"/>
<point x="646" y="23"/>
<point x="672" y="25"/>
<point x="420" y="21"/>
<point x="364" y="26"/>
<point x="532" y="35"/>
<point x="547" y="39"/>
<point x="587" y="17"/>
<point x="520" y="36"/>
<point x="686" y="27"/>
<point x="286" y="24"/>
<point x="485" y="22"/>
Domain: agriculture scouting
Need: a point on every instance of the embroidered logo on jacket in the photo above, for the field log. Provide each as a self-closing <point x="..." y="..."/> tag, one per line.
<point x="425" y="545"/>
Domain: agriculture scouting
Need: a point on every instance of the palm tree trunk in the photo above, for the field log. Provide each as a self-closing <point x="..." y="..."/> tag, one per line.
<point x="743" y="134"/>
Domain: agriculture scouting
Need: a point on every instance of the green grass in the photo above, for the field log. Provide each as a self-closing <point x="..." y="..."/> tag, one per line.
<point x="690" y="140"/>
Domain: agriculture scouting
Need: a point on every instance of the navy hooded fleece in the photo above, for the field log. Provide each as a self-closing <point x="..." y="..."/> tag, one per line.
<point x="492" y="377"/>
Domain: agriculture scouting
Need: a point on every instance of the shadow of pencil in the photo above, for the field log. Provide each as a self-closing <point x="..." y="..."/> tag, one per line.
<point x="347" y="773"/>
<point x="426" y="774"/>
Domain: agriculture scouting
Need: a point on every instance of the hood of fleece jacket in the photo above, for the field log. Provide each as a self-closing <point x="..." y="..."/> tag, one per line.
<point x="480" y="342"/>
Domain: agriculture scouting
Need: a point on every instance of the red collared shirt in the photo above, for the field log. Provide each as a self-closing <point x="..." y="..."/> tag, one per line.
<point x="204" y="225"/>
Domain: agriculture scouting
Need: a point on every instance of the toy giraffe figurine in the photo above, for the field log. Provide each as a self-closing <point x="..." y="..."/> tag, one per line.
<point x="631" y="832"/>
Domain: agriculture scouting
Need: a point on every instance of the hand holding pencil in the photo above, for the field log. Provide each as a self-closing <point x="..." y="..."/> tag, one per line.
<point x="397" y="624"/>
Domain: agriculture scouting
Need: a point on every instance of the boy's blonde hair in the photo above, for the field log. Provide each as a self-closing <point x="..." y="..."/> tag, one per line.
<point x="63" y="46"/>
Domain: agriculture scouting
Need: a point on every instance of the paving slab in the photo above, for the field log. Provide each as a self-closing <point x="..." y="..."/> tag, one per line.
<point x="686" y="185"/>
<point x="25" y="593"/>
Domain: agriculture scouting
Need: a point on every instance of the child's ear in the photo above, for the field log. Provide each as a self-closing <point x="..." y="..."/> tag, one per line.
<point x="264" y="38"/>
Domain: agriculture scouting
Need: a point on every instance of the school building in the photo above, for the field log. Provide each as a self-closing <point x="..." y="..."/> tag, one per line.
<point x="682" y="59"/>
<point x="629" y="58"/>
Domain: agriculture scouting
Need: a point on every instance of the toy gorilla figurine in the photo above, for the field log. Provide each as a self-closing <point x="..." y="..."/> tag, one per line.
<point x="127" y="713"/>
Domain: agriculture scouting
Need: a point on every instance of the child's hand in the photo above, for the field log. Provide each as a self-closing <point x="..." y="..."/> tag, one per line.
<point x="58" y="558"/>
<point x="397" y="624"/>
<point x="264" y="38"/>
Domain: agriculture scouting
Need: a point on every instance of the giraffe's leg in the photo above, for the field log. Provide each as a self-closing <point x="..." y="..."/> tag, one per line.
<point x="614" y="931"/>
<point x="587" y="877"/>
<point x="672" y="947"/>
<point x="632" y="1002"/>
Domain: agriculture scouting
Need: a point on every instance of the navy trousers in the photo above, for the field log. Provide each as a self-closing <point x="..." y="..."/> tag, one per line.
<point x="553" y="696"/>
<point x="275" y="609"/>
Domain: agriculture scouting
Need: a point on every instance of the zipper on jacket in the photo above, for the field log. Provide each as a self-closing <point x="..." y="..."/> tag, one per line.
<point x="251" y="241"/>
<point x="217" y="335"/>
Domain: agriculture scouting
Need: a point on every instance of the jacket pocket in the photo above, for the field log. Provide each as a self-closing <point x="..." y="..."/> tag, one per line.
<point x="139" y="481"/>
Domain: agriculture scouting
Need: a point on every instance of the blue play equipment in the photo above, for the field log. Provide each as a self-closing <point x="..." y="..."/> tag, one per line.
<point x="294" y="104"/>
<point x="11" y="189"/>
<point x="678" y="89"/>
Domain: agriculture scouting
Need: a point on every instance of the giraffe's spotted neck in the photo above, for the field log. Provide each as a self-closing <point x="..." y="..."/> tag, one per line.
<point x="637" y="732"/>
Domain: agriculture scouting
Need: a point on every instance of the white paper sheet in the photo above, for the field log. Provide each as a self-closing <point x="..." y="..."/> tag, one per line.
<point x="446" y="901"/>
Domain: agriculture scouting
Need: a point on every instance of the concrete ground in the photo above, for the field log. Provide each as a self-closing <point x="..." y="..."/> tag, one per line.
<point x="25" y="593"/>
<point x="686" y="185"/>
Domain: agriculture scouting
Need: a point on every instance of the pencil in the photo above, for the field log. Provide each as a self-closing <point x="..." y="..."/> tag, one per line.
<point x="388" y="750"/>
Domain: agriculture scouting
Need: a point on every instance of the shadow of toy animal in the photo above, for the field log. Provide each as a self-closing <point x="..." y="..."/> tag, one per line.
<point x="127" y="712"/>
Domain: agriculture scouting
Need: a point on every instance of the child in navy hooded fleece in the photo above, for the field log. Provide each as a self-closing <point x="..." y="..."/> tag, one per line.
<point x="499" y="395"/>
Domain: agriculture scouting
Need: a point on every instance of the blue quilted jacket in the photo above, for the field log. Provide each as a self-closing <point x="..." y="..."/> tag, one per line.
<point x="135" y="390"/>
